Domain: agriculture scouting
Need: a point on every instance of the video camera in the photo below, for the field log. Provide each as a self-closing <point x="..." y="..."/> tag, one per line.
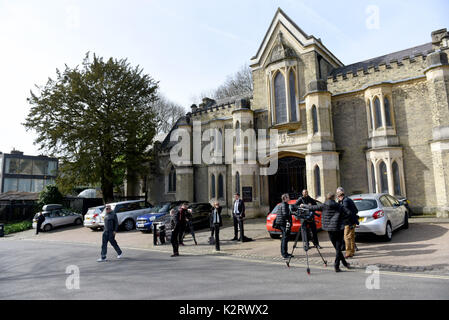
<point x="302" y="213"/>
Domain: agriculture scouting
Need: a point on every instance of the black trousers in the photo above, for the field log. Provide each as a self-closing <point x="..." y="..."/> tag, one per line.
<point x="238" y="224"/>
<point x="216" y="230"/>
<point x="284" y="240"/>
<point x="337" y="239"/>
<point x="175" y="239"/>
<point x="182" y="229"/>
<point x="38" y="227"/>
<point x="108" y="236"/>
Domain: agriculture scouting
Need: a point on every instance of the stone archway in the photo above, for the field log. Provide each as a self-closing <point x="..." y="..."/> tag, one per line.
<point x="290" y="178"/>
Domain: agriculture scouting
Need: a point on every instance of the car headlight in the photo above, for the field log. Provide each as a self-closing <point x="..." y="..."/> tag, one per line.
<point x="152" y="218"/>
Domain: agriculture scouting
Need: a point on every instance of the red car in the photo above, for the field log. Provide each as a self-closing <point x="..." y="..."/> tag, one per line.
<point x="275" y="233"/>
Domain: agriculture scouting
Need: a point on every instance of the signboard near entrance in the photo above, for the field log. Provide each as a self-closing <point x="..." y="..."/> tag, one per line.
<point x="247" y="194"/>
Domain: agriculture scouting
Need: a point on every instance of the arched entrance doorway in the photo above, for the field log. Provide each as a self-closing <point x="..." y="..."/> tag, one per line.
<point x="290" y="178"/>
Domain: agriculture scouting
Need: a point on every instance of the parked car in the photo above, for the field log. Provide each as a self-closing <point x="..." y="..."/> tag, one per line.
<point x="144" y="222"/>
<point x="92" y="218"/>
<point x="380" y="213"/>
<point x="56" y="216"/>
<point x="296" y="223"/>
<point x="127" y="212"/>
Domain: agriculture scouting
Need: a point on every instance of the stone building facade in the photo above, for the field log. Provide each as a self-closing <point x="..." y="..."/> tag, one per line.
<point x="380" y="125"/>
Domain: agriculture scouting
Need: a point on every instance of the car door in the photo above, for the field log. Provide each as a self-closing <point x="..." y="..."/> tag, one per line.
<point x="55" y="218"/>
<point x="121" y="212"/>
<point x="388" y="209"/>
<point x="399" y="213"/>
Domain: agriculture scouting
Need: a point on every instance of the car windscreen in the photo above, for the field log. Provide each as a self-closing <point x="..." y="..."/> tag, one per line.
<point x="160" y="208"/>
<point x="365" y="204"/>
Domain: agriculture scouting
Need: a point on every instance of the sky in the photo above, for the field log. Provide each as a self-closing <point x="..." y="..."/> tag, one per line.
<point x="188" y="46"/>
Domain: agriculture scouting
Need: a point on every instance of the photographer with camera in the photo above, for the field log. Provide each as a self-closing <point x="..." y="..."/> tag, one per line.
<point x="334" y="216"/>
<point x="284" y="222"/>
<point x="307" y="200"/>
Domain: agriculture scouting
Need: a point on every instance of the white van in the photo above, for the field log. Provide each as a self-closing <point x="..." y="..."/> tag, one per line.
<point x="127" y="212"/>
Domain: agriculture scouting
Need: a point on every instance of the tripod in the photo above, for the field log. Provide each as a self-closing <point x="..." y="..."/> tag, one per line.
<point x="305" y="235"/>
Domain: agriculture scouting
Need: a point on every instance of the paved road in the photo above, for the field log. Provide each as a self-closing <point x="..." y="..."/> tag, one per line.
<point x="37" y="270"/>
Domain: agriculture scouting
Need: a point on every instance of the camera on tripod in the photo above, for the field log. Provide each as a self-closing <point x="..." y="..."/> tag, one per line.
<point x="301" y="213"/>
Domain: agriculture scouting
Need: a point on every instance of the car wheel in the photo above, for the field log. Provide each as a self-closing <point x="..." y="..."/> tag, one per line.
<point x="128" y="224"/>
<point x="78" y="221"/>
<point x="405" y="225"/>
<point x="275" y="236"/>
<point x="48" y="227"/>
<point x="388" y="232"/>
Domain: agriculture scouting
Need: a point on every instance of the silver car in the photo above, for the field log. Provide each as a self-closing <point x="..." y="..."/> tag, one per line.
<point x="92" y="218"/>
<point x="127" y="212"/>
<point x="380" y="213"/>
<point x="56" y="216"/>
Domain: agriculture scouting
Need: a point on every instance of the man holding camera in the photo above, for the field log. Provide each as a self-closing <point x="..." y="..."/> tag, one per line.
<point x="307" y="200"/>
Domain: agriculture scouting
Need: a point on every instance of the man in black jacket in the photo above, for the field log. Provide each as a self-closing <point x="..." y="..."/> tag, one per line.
<point x="351" y="222"/>
<point x="333" y="219"/>
<point x="307" y="200"/>
<point x="215" y="223"/>
<point x="238" y="214"/>
<point x="284" y="221"/>
<point x="40" y="221"/>
<point x="109" y="231"/>
<point x="178" y="220"/>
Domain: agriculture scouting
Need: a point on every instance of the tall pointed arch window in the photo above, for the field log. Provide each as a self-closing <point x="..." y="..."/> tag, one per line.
<point x="396" y="179"/>
<point x="237" y="133"/>
<point x="237" y="182"/>
<point x="212" y="186"/>
<point x="317" y="177"/>
<point x="292" y="85"/>
<point x="378" y="113"/>
<point x="373" y="179"/>
<point x="220" y="186"/>
<point x="172" y="180"/>
<point x="314" y="119"/>
<point x="280" y="102"/>
<point x="370" y="111"/>
<point x="383" y="177"/>
<point x="388" y="119"/>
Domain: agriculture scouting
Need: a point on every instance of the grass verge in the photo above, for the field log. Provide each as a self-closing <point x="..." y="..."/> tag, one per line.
<point x="18" y="227"/>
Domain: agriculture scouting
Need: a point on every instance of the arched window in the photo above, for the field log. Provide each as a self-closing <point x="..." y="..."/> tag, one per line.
<point x="292" y="84"/>
<point x="212" y="186"/>
<point x="315" y="119"/>
<point x="378" y="113"/>
<point x="280" y="102"/>
<point x="237" y="182"/>
<point x="237" y="133"/>
<point x="396" y="179"/>
<point x="383" y="177"/>
<point x="317" y="176"/>
<point x="370" y="111"/>
<point x="388" y="120"/>
<point x="373" y="179"/>
<point x="172" y="180"/>
<point x="220" y="186"/>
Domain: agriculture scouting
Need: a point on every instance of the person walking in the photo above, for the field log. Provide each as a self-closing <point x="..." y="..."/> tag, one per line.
<point x="216" y="222"/>
<point x="351" y="222"/>
<point x="40" y="221"/>
<point x="110" y="229"/>
<point x="183" y="213"/>
<point x="238" y="214"/>
<point x="333" y="219"/>
<point x="284" y="222"/>
<point x="307" y="200"/>
<point x="189" y="226"/>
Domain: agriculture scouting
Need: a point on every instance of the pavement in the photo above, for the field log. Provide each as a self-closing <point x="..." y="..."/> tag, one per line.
<point x="423" y="248"/>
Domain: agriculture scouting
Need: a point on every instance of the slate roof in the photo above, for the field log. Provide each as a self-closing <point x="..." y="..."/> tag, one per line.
<point x="424" y="50"/>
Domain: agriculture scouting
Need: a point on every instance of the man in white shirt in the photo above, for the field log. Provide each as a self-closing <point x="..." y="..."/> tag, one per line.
<point x="238" y="214"/>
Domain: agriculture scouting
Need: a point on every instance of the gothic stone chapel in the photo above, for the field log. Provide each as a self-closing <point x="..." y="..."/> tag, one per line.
<point x="380" y="125"/>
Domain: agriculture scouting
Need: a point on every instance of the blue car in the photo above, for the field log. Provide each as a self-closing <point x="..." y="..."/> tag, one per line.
<point x="144" y="223"/>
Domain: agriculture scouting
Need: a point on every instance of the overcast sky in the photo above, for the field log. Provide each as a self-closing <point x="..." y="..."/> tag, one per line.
<point x="189" y="46"/>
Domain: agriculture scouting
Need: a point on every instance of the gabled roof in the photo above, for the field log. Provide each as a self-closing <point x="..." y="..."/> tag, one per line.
<point x="303" y="38"/>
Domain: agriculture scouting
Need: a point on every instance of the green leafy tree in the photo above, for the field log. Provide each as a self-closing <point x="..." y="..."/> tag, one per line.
<point x="50" y="195"/>
<point x="94" y="114"/>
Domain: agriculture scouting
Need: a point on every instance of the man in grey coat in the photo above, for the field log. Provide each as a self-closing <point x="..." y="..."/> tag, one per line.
<point x="110" y="229"/>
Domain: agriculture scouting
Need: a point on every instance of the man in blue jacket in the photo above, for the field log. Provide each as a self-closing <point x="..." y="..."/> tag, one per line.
<point x="110" y="229"/>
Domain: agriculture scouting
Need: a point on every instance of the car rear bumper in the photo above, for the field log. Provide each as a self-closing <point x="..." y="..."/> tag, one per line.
<point x="92" y="224"/>
<point x="376" y="226"/>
